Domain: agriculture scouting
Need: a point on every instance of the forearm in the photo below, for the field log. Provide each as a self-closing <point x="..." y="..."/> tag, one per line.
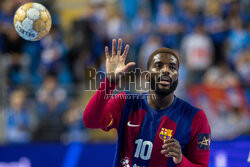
<point x="101" y="111"/>
<point x="96" y="113"/>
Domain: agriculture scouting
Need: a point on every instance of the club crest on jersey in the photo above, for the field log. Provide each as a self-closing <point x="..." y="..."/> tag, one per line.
<point x="165" y="134"/>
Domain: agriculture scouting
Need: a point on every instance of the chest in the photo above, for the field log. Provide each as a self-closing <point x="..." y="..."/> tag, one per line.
<point x="155" y="128"/>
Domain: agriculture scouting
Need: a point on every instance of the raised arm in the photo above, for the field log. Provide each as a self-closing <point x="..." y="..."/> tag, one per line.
<point x="103" y="112"/>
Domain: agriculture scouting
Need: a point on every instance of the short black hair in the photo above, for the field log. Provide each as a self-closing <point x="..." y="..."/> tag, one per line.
<point x="162" y="50"/>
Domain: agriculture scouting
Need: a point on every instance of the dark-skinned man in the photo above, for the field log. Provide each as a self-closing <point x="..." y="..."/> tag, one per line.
<point x="156" y="129"/>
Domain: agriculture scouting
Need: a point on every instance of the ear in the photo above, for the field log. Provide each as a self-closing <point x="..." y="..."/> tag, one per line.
<point x="177" y="77"/>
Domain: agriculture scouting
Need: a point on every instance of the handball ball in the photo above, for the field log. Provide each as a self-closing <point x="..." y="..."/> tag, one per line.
<point x="32" y="21"/>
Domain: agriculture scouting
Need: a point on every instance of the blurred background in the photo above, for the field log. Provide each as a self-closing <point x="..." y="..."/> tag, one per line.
<point x="42" y="96"/>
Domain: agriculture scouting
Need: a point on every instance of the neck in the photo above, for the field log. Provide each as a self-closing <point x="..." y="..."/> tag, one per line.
<point x="160" y="102"/>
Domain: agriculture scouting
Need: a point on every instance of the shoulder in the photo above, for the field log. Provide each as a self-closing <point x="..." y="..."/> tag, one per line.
<point x="189" y="111"/>
<point x="197" y="116"/>
<point x="186" y="107"/>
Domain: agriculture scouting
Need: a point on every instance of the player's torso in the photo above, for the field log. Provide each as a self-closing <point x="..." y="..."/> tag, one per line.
<point x="143" y="133"/>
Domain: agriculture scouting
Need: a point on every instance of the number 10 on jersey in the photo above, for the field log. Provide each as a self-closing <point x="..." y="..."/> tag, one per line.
<point x="143" y="149"/>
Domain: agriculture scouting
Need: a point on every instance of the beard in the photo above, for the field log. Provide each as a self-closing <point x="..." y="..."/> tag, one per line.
<point x="162" y="91"/>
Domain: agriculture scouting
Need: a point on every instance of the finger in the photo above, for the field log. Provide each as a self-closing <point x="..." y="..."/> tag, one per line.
<point x="119" y="48"/>
<point x="173" y="149"/>
<point x="113" y="47"/>
<point x="175" y="140"/>
<point x="125" y="69"/>
<point x="168" y="141"/>
<point x="125" y="53"/>
<point x="107" y="52"/>
<point x="170" y="145"/>
<point x="172" y="154"/>
<point x="164" y="152"/>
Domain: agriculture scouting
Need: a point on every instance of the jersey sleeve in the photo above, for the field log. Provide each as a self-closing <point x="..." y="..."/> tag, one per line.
<point x="104" y="111"/>
<point x="198" y="149"/>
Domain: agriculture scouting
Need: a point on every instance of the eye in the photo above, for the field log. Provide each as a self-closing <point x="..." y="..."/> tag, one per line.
<point x="158" y="65"/>
<point x="172" y="67"/>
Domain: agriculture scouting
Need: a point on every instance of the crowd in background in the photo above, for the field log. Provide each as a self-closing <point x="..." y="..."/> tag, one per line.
<point x="42" y="95"/>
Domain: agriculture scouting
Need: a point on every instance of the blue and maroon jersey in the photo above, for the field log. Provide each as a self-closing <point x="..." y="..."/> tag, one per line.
<point x="142" y="129"/>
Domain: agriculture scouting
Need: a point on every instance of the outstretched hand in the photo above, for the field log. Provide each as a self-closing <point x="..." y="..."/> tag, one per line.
<point x="115" y="63"/>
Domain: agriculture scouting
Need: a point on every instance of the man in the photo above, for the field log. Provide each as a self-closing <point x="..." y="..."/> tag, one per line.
<point x="158" y="131"/>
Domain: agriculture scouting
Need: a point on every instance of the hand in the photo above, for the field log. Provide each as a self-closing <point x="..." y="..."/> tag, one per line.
<point x="115" y="63"/>
<point x="172" y="148"/>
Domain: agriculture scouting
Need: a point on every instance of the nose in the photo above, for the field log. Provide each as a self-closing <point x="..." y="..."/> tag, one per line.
<point x="165" y="69"/>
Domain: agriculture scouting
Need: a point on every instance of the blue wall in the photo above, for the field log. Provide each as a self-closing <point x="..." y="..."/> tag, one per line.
<point x="226" y="153"/>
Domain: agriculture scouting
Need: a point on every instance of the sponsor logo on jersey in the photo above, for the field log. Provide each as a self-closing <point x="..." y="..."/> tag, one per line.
<point x="165" y="134"/>
<point x="132" y="125"/>
<point x="125" y="162"/>
<point x="204" y="140"/>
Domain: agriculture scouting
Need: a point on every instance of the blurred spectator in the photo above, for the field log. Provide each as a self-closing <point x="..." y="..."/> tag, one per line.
<point x="142" y="25"/>
<point x="17" y="69"/>
<point x="243" y="67"/>
<point x="19" y="121"/>
<point x="197" y="50"/>
<point x="82" y="62"/>
<point x="243" y="70"/>
<point x="52" y="53"/>
<point x="220" y="77"/>
<point x="244" y="10"/>
<point x="224" y="102"/>
<point x="72" y="120"/>
<point x="215" y="27"/>
<point x="6" y="13"/>
<point x="52" y="103"/>
<point x="228" y="103"/>
<point x="115" y="25"/>
<point x="168" y="25"/>
<point x="129" y="9"/>
<point x="149" y="5"/>
<point x="152" y="43"/>
<point x="229" y="8"/>
<point x="238" y="40"/>
<point x="189" y="15"/>
<point x="9" y="40"/>
<point x="94" y="29"/>
<point x="80" y="55"/>
<point x="53" y="56"/>
<point x="51" y="97"/>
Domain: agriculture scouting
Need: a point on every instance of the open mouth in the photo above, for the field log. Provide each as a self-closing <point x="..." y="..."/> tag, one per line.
<point x="165" y="80"/>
